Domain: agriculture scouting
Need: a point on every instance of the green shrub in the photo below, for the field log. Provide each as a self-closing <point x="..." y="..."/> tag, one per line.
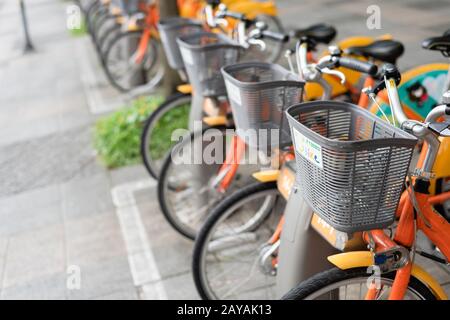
<point x="117" y="136"/>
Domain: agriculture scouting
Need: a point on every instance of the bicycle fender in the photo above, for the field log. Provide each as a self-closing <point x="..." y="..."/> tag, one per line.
<point x="185" y="88"/>
<point x="358" y="259"/>
<point x="266" y="175"/>
<point x="215" y="121"/>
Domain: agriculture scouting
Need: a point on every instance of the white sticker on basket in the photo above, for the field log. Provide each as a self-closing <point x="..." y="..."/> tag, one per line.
<point x="187" y="56"/>
<point x="234" y="93"/>
<point x="308" y="149"/>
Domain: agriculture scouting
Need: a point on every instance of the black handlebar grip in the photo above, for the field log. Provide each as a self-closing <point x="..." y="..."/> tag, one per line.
<point x="358" y="65"/>
<point x="280" y="37"/>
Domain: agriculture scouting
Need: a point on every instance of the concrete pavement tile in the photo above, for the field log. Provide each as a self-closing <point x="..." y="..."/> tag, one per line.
<point x="148" y="196"/>
<point x="52" y="287"/>
<point x="87" y="196"/>
<point x="44" y="161"/>
<point x="128" y="174"/>
<point x="180" y="287"/>
<point x="92" y="239"/>
<point x="34" y="254"/>
<point x="103" y="278"/>
<point x="28" y="201"/>
<point x="120" y="295"/>
<point x="3" y="251"/>
<point x="15" y="222"/>
<point x="172" y="251"/>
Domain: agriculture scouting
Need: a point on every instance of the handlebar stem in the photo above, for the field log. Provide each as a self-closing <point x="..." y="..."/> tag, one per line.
<point x="394" y="101"/>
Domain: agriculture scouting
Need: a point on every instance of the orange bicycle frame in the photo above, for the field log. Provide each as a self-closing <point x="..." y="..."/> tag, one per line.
<point x="432" y="224"/>
<point x="151" y="18"/>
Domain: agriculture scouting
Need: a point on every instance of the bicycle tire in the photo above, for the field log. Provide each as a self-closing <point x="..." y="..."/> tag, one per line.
<point x="171" y="216"/>
<point x="336" y="275"/>
<point x="108" y="36"/>
<point x="89" y="11"/>
<point x="114" y="82"/>
<point x="92" y="14"/>
<point x="97" y="24"/>
<point x="213" y="218"/>
<point x="178" y="100"/>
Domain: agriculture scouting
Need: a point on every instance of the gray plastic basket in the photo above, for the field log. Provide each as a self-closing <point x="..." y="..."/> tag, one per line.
<point x="204" y="54"/>
<point x="351" y="165"/>
<point x="259" y="93"/>
<point x="172" y="28"/>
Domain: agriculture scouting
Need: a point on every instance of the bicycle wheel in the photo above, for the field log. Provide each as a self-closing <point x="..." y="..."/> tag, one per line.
<point x="124" y="72"/>
<point x="231" y="257"/>
<point x="156" y="136"/>
<point x="186" y="185"/>
<point x="85" y="4"/>
<point x="99" y="25"/>
<point x="93" y="14"/>
<point x="273" y="48"/>
<point x="105" y="39"/>
<point x="352" y="284"/>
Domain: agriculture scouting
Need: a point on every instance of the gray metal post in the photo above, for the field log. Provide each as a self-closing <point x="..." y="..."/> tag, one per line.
<point x="28" y="45"/>
<point x="303" y="252"/>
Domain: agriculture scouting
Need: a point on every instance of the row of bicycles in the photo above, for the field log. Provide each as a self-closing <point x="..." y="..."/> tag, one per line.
<point x="322" y="178"/>
<point x="126" y="36"/>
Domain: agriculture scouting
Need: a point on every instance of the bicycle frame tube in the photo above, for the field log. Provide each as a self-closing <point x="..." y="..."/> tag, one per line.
<point x="363" y="101"/>
<point x="433" y="225"/>
<point x="232" y="161"/>
<point x="146" y="35"/>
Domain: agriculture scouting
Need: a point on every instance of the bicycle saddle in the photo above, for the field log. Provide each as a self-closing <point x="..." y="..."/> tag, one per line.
<point x="384" y="50"/>
<point x="438" y="43"/>
<point x="320" y="33"/>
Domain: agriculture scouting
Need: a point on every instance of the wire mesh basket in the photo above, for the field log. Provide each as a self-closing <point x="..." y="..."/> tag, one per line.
<point x="204" y="54"/>
<point x="351" y="165"/>
<point x="259" y="93"/>
<point x="172" y="28"/>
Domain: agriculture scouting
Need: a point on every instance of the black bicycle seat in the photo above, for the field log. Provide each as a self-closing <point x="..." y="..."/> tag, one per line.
<point x="320" y="33"/>
<point x="438" y="43"/>
<point x="384" y="50"/>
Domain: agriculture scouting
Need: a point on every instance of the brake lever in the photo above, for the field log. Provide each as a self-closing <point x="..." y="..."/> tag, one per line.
<point x="324" y="65"/>
<point x="257" y="42"/>
<point x="252" y="39"/>
<point x="336" y="73"/>
<point x="221" y="22"/>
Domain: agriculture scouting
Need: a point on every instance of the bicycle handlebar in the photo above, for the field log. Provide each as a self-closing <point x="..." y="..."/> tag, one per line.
<point x="280" y="37"/>
<point x="233" y="15"/>
<point x="358" y="65"/>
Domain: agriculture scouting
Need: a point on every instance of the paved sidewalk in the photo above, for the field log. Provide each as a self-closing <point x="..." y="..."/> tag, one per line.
<point x="55" y="204"/>
<point x="60" y="208"/>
